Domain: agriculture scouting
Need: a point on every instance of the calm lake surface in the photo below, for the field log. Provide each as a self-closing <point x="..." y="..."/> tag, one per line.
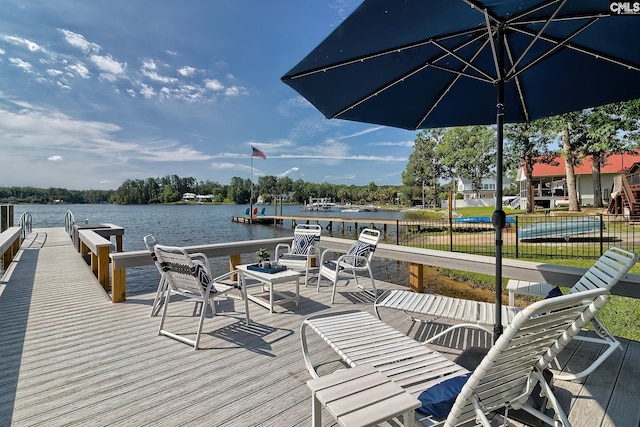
<point x="180" y="225"/>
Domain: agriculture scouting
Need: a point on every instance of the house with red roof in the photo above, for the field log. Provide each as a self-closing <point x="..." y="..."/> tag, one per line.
<point x="550" y="184"/>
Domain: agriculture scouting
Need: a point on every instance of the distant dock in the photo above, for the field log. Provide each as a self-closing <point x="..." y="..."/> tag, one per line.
<point x="342" y="224"/>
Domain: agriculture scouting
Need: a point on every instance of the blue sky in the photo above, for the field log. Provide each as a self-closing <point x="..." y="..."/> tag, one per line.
<point x="96" y="92"/>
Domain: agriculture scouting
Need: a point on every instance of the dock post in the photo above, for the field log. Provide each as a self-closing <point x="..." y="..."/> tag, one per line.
<point x="118" y="284"/>
<point x="233" y="261"/>
<point x="416" y="277"/>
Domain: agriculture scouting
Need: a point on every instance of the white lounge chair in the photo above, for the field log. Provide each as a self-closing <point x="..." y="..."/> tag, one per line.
<point x="189" y="275"/>
<point x="303" y="249"/>
<point x="605" y="273"/>
<point x="356" y="259"/>
<point x="505" y="377"/>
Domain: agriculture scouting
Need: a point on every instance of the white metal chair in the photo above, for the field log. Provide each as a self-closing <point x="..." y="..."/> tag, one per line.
<point x="192" y="279"/>
<point x="604" y="274"/>
<point x="505" y="378"/>
<point x="303" y="249"/>
<point x="150" y="242"/>
<point x="356" y="259"/>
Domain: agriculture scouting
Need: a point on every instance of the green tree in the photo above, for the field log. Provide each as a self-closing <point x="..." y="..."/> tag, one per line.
<point x="527" y="144"/>
<point x="469" y="152"/>
<point x="425" y="165"/>
<point x="607" y="129"/>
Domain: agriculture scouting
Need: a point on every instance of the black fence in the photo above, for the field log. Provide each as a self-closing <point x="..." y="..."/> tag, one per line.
<point x="524" y="236"/>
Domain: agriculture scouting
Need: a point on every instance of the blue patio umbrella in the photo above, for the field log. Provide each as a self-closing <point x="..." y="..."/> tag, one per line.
<point x="418" y="64"/>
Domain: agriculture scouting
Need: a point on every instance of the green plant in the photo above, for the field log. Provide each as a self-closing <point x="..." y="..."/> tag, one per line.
<point x="263" y="254"/>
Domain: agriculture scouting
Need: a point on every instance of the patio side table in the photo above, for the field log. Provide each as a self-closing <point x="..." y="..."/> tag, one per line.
<point x="360" y="396"/>
<point x="524" y="287"/>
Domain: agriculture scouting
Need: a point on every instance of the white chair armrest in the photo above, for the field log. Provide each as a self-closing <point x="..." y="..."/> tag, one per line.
<point x="330" y="252"/>
<point x="199" y="256"/>
<point x="343" y="263"/>
<point x="280" y="246"/>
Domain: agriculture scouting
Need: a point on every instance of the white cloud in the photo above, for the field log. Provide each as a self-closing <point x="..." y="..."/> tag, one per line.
<point x="19" y="41"/>
<point x="24" y="65"/>
<point x="294" y="104"/>
<point x="55" y="159"/>
<point x="149" y="64"/>
<point x="363" y="132"/>
<point x="158" y="78"/>
<point x="147" y="91"/>
<point x="213" y="84"/>
<point x="234" y="91"/>
<point x="2" y="52"/>
<point x="289" y="171"/>
<point x="78" y="41"/>
<point x="108" y="65"/>
<point x="54" y="72"/>
<point x="187" y="71"/>
<point x="79" y="69"/>
<point x="394" y="144"/>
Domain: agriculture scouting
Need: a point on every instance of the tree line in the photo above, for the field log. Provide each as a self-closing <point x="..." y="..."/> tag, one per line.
<point x="469" y="152"/>
<point x="170" y="189"/>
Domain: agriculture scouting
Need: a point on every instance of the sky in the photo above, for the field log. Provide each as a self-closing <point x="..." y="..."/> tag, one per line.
<point x="93" y="93"/>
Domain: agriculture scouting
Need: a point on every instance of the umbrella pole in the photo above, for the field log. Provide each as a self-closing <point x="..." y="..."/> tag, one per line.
<point x="498" y="218"/>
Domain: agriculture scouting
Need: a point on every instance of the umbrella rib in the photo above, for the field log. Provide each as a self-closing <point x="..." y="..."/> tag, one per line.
<point x="461" y="59"/>
<point x="493" y="45"/>
<point x="455" y="79"/>
<point x="417" y="70"/>
<point x="517" y="82"/>
<point x="385" y="52"/>
<point x="536" y="37"/>
<point x="565" y="43"/>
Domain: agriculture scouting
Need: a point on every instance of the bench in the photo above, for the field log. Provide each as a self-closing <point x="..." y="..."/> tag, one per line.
<point x="10" y="244"/>
<point x="90" y="241"/>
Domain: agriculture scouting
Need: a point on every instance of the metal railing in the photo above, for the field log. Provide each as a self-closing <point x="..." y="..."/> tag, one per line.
<point x="25" y="224"/>
<point x="69" y="222"/>
<point x="526" y="236"/>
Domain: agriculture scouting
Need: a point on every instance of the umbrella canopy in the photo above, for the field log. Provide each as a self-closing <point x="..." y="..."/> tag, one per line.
<point x="418" y="64"/>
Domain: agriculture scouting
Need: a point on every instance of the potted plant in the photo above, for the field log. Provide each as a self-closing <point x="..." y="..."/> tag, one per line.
<point x="263" y="258"/>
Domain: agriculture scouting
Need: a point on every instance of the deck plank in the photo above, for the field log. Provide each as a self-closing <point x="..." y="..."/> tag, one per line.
<point x="68" y="356"/>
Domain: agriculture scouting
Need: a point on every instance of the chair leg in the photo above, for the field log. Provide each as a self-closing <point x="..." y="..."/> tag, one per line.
<point x="167" y="297"/>
<point x="373" y="282"/>
<point x="196" y="343"/>
<point x="333" y="291"/>
<point x="160" y="296"/>
<point x="246" y="306"/>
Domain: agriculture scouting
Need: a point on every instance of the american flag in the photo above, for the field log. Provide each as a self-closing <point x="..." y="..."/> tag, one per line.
<point x="257" y="153"/>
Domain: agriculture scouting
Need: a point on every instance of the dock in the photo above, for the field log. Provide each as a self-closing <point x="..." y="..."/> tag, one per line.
<point x="69" y="356"/>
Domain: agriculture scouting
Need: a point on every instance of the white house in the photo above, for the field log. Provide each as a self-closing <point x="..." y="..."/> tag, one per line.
<point x="487" y="190"/>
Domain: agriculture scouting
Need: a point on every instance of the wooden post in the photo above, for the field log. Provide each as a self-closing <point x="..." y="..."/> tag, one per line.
<point x="233" y="261"/>
<point x="103" y="266"/>
<point x="118" y="284"/>
<point x="416" y="277"/>
<point x="118" y="243"/>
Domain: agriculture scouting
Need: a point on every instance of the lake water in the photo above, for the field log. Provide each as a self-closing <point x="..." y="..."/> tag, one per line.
<point x="182" y="225"/>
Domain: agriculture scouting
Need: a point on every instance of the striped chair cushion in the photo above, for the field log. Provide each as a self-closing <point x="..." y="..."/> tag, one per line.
<point x="302" y="243"/>
<point x="358" y="249"/>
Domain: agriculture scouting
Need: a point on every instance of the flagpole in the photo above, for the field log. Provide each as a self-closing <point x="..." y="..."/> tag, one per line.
<point x="251" y="193"/>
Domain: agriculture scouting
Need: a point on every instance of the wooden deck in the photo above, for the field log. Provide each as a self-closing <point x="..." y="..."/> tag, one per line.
<point x="68" y="356"/>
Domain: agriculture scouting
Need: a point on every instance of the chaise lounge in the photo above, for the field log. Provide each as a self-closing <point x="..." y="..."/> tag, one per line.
<point x="604" y="274"/>
<point x="505" y="378"/>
